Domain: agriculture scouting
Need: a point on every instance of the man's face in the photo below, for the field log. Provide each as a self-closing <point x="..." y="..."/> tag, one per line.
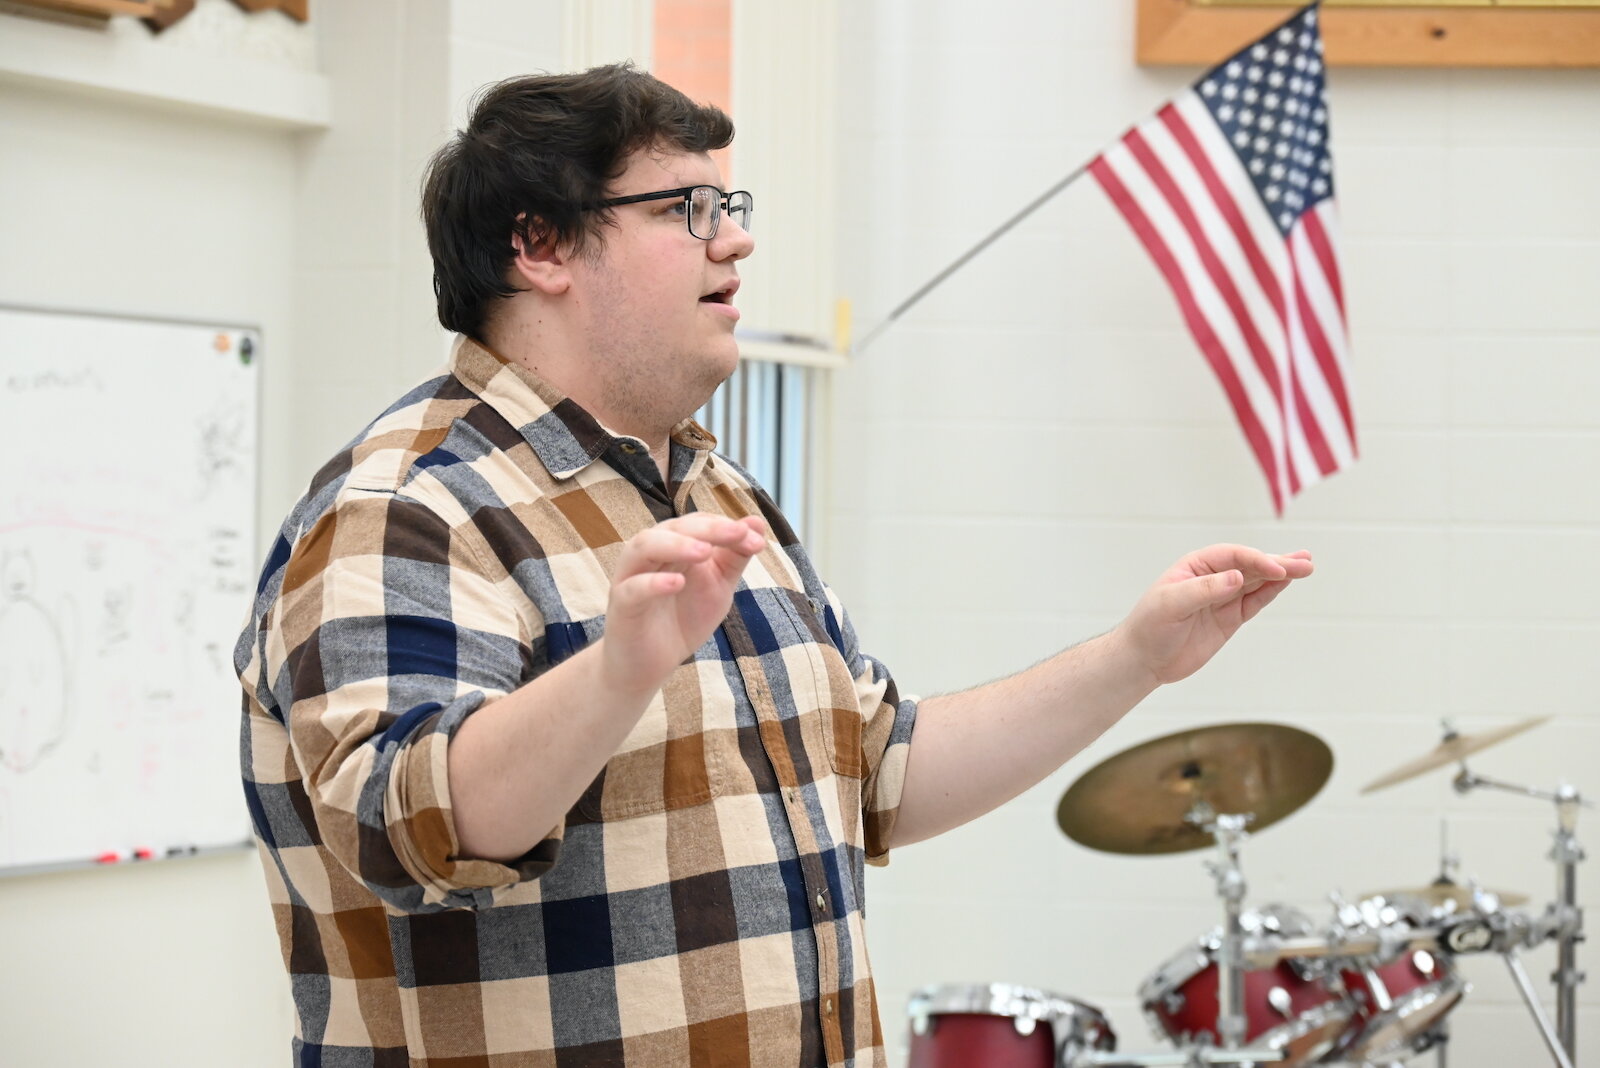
<point x="657" y="301"/>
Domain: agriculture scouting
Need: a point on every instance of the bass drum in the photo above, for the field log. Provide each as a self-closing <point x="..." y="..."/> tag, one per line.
<point x="997" y="1025"/>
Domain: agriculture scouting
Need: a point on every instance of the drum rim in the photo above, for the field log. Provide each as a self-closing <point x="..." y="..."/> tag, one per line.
<point x="1073" y="1025"/>
<point x="995" y="999"/>
<point x="1340" y="1011"/>
<point x="1177" y="970"/>
<point x="1412" y="1001"/>
<point x="1193" y="958"/>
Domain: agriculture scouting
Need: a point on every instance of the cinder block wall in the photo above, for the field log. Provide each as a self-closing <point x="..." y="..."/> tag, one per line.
<point x="1034" y="443"/>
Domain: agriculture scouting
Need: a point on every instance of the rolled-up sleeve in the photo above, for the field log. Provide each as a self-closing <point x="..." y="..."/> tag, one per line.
<point x="393" y="628"/>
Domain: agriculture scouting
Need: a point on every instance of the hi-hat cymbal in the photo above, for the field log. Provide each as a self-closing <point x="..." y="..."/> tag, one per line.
<point x="1454" y="748"/>
<point x="1445" y="892"/>
<point x="1137" y="801"/>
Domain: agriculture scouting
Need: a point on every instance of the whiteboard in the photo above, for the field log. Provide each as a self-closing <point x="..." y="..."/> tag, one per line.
<point x="127" y="518"/>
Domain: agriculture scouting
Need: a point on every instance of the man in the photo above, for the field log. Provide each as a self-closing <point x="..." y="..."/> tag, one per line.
<point x="557" y="749"/>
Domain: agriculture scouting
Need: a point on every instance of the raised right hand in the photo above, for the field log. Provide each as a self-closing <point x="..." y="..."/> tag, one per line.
<point x="673" y="587"/>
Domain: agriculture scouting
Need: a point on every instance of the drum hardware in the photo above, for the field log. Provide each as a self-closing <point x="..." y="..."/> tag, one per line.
<point x="1446" y="892"/>
<point x="1563" y="919"/>
<point x="1228" y="830"/>
<point x="1373" y="987"/>
<point x="1454" y="748"/>
<point x="1193" y="1057"/>
<point x="1554" y="1042"/>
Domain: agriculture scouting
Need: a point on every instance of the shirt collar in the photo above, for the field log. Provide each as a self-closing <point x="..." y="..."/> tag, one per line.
<point x="562" y="434"/>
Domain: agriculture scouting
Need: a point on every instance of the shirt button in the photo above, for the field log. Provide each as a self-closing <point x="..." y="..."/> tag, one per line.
<point x="827" y="1007"/>
<point x="629" y="449"/>
<point x="822" y="902"/>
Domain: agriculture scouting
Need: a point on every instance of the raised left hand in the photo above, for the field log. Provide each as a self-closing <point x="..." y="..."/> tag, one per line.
<point x="1199" y="602"/>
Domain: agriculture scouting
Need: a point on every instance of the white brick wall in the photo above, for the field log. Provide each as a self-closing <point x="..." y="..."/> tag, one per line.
<point x="1030" y="446"/>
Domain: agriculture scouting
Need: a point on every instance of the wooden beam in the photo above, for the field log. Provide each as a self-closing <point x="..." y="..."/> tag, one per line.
<point x="298" y="10"/>
<point x="1185" y="32"/>
<point x="167" y="13"/>
<point x="98" y="8"/>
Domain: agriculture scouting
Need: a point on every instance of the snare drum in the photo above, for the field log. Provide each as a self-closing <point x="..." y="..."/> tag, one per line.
<point x="1002" y="1026"/>
<point x="1291" y="1006"/>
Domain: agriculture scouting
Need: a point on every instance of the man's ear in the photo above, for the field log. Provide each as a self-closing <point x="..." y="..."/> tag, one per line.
<point x="539" y="261"/>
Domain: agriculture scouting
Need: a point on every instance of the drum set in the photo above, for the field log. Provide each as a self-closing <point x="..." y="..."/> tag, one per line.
<point x="1372" y="986"/>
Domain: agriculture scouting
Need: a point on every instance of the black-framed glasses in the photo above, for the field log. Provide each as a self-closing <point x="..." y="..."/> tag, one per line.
<point x="703" y="206"/>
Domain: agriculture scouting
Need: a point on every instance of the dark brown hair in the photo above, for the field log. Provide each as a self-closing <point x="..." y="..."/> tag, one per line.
<point x="543" y="148"/>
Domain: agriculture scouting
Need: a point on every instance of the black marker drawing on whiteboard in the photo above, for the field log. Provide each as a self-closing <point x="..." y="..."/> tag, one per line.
<point x="222" y="447"/>
<point x="115" y="624"/>
<point x="34" y="705"/>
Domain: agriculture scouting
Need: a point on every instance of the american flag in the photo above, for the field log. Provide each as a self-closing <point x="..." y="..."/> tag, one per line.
<point x="1230" y="188"/>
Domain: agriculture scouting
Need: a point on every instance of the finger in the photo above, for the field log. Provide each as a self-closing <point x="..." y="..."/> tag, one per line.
<point x="632" y="595"/>
<point x="1184" y="599"/>
<point x="734" y="556"/>
<point x="1215" y="559"/>
<point x="659" y="549"/>
<point x="1253" y="602"/>
<point x="717" y="529"/>
<point x="731" y="562"/>
<point x="1298" y="563"/>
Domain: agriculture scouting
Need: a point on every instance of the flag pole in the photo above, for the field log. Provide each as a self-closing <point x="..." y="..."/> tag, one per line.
<point x="927" y="287"/>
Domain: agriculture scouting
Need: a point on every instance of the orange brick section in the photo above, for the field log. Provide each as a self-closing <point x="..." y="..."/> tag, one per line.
<point x="694" y="52"/>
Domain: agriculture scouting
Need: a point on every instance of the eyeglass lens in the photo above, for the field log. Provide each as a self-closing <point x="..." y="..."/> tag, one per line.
<point x="705" y="207"/>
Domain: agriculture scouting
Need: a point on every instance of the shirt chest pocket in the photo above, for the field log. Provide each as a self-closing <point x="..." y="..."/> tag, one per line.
<point x="829" y="695"/>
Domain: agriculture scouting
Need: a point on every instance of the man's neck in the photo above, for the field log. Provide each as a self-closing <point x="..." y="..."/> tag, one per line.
<point x="571" y="371"/>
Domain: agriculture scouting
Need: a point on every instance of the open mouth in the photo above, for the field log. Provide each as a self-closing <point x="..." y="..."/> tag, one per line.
<point x="721" y="295"/>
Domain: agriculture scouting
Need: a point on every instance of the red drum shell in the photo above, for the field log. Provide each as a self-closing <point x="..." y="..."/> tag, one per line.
<point x="962" y="1040"/>
<point x="1421" y="988"/>
<point x="1317" y="1016"/>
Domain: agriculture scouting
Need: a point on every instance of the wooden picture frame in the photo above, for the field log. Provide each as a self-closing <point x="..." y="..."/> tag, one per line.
<point x="1383" y="33"/>
<point x="103" y="9"/>
<point x="160" y="14"/>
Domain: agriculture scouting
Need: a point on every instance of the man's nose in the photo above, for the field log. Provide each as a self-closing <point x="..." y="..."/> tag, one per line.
<point x="733" y="242"/>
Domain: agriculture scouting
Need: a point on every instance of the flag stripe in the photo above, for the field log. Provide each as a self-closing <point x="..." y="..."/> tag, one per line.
<point x="1312" y="223"/>
<point x="1313" y="362"/>
<point x="1317" y="289"/>
<point x="1220" y="277"/>
<point x="1254" y="431"/>
<point x="1200" y="289"/>
<point x="1177" y="118"/>
<point x="1238" y="234"/>
<point x="1229" y="188"/>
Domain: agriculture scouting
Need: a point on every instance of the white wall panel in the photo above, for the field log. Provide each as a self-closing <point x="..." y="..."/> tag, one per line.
<point x="1526" y="286"/>
<point x="1033" y="443"/>
<point x="118" y="206"/>
<point x="1523" y="380"/>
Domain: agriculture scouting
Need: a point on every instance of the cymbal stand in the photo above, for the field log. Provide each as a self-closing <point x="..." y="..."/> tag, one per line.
<point x="1563" y="918"/>
<point x="1228" y="830"/>
<point x="1449" y="865"/>
<point x="1519" y="975"/>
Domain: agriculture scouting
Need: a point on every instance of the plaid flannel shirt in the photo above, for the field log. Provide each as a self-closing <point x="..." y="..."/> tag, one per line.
<point x="701" y="903"/>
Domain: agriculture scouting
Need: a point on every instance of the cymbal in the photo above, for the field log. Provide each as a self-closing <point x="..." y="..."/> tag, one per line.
<point x="1136" y="801"/>
<point x="1451" y="750"/>
<point x="1445" y="892"/>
